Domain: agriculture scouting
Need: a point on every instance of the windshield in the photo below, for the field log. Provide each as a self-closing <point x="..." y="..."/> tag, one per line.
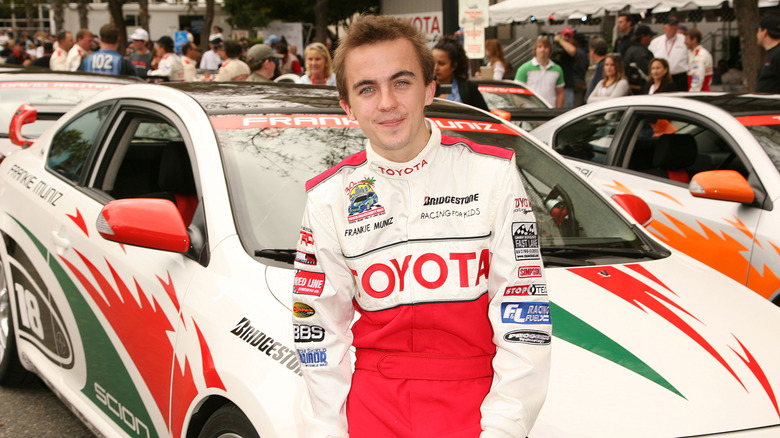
<point x="268" y="159"/>
<point x="507" y="98"/>
<point x="766" y="130"/>
<point x="42" y="95"/>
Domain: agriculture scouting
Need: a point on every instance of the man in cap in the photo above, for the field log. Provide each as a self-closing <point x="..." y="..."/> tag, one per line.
<point x="768" y="37"/>
<point x="261" y="61"/>
<point x="65" y="42"/>
<point x="107" y="60"/>
<point x="637" y="58"/>
<point x="80" y="50"/>
<point x="141" y="58"/>
<point x="211" y="59"/>
<point x="699" y="62"/>
<point x="563" y="54"/>
<point x="671" y="46"/>
<point x="170" y="67"/>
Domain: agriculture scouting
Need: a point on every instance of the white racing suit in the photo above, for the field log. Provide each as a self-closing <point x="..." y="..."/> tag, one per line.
<point x="440" y="257"/>
<point x="699" y="69"/>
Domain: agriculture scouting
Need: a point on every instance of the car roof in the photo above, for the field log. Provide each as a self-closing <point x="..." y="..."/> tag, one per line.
<point x="739" y="104"/>
<point x="41" y="75"/>
<point x="241" y="97"/>
<point x="497" y="82"/>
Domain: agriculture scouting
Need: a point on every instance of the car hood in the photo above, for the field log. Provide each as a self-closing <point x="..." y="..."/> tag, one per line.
<point x="667" y="347"/>
<point x="662" y="348"/>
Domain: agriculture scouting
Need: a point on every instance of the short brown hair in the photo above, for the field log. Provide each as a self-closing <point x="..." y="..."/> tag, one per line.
<point x="109" y="34"/>
<point x="542" y="41"/>
<point x="694" y="34"/>
<point x="373" y="29"/>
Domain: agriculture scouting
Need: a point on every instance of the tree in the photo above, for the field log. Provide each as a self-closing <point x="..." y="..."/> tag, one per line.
<point x="258" y="13"/>
<point x="746" y="12"/>
<point x="208" y="19"/>
<point x="115" y="10"/>
<point x="321" y="21"/>
<point x="59" y="15"/>
<point x="83" y="14"/>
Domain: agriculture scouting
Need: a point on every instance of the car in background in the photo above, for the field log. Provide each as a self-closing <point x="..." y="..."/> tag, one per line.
<point x="513" y="101"/>
<point x="707" y="164"/>
<point x="147" y="264"/>
<point x="49" y="94"/>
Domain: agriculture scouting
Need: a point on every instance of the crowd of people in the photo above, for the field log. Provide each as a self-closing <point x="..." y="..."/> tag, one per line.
<point x="567" y="70"/>
<point x="571" y="69"/>
<point x="159" y="60"/>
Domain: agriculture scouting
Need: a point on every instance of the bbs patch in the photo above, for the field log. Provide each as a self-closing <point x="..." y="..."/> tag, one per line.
<point x="525" y="240"/>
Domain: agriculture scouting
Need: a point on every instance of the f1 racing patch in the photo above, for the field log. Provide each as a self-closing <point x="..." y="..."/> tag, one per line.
<point x="525" y="313"/>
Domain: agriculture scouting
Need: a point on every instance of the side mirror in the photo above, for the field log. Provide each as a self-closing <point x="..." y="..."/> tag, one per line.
<point x="502" y="114"/>
<point x="24" y="114"/>
<point x="145" y="222"/>
<point x="635" y="206"/>
<point x="724" y="185"/>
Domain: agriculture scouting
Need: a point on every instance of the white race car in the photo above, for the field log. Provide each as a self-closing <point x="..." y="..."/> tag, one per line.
<point x="148" y="242"/>
<point x="707" y="164"/>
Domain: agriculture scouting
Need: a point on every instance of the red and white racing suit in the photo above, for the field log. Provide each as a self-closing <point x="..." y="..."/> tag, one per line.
<point x="440" y="258"/>
<point x="699" y="69"/>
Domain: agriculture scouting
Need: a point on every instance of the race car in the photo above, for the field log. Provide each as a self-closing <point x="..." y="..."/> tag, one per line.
<point x="48" y="95"/>
<point x="707" y="164"/>
<point x="147" y="269"/>
<point x="513" y="101"/>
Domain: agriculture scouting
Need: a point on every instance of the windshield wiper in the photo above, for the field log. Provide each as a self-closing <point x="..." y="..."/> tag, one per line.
<point x="576" y="251"/>
<point x="282" y="255"/>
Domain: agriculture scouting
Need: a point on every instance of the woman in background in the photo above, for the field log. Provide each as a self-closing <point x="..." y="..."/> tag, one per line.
<point x="660" y="80"/>
<point x="451" y="67"/>
<point x="496" y="60"/>
<point x="319" y="66"/>
<point x="614" y="84"/>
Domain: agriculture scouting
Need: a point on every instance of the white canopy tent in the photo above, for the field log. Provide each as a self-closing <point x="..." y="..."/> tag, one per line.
<point x="510" y="11"/>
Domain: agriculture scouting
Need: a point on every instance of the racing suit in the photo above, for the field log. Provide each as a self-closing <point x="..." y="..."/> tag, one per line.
<point x="699" y="69"/>
<point x="440" y="258"/>
<point x="170" y="66"/>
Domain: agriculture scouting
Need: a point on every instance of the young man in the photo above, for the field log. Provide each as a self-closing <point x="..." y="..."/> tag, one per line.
<point x="542" y="75"/>
<point x="625" y="28"/>
<point x="768" y="37"/>
<point x="141" y="58"/>
<point x="429" y="293"/>
<point x="671" y="46"/>
<point x="170" y="67"/>
<point x="699" y="62"/>
<point x="232" y="69"/>
<point x="637" y="58"/>
<point x="107" y="60"/>
<point x="189" y="59"/>
<point x="58" y="59"/>
<point x="80" y="50"/>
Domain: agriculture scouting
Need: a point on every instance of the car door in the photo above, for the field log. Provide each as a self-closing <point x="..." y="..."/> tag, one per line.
<point x="653" y="154"/>
<point x="125" y="299"/>
<point x="44" y="321"/>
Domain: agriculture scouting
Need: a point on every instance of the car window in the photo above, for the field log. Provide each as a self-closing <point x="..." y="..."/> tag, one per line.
<point x="507" y="98"/>
<point x="676" y="148"/>
<point x="70" y="147"/>
<point x="267" y="168"/>
<point x="149" y="159"/>
<point x="589" y="138"/>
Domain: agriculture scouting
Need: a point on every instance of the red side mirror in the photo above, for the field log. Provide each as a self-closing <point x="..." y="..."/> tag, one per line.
<point x="635" y="206"/>
<point x="145" y="222"/>
<point x="24" y="114"/>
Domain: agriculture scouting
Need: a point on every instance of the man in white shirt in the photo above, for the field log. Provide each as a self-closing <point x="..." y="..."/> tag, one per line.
<point x="60" y="56"/>
<point x="211" y="59"/>
<point x="170" y="66"/>
<point x="80" y="50"/>
<point x="671" y="46"/>
<point x="189" y="58"/>
<point x="699" y="62"/>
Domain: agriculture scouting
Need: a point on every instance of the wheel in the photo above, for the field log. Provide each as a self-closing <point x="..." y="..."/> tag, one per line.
<point x="228" y="422"/>
<point x="11" y="370"/>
